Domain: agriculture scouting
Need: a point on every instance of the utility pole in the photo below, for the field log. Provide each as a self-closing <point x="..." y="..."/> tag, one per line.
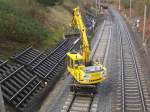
<point x="130" y="8"/>
<point x="119" y="4"/>
<point x="144" y="28"/>
<point x="2" y="106"/>
<point x="99" y="4"/>
<point x="114" y="1"/>
<point x="76" y="2"/>
<point x="96" y="6"/>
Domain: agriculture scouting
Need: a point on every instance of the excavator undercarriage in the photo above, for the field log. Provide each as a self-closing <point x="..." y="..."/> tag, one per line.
<point x="83" y="88"/>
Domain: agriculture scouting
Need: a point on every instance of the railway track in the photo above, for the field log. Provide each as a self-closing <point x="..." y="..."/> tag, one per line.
<point x="78" y="103"/>
<point x="1" y="61"/>
<point x="45" y="65"/>
<point x="100" y="51"/>
<point x="18" y="84"/>
<point x="54" y="60"/>
<point x="132" y="92"/>
<point x="21" y="82"/>
<point x="26" y="56"/>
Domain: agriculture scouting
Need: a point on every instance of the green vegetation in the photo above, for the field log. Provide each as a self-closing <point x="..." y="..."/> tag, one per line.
<point x="23" y="23"/>
<point x="137" y="6"/>
<point x="136" y="3"/>
<point x="16" y="26"/>
<point x="126" y="3"/>
<point x="137" y="11"/>
<point x="40" y="23"/>
<point x="47" y="2"/>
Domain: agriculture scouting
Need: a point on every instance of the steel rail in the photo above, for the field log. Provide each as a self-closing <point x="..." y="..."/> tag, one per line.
<point x="101" y="39"/>
<point x="3" y="63"/>
<point x="22" y="52"/>
<point x="49" y="55"/>
<point x="75" y="97"/>
<point x="122" y="74"/>
<point x="12" y="74"/>
<point x="19" y="83"/>
<point x="71" y="103"/>
<point x="61" y="59"/>
<point x="97" y="43"/>
<point x="136" y="70"/>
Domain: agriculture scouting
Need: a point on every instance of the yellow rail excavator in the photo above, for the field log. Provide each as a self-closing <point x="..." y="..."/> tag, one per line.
<point x="86" y="74"/>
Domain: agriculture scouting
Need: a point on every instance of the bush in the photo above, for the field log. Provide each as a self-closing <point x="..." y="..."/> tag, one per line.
<point x="126" y="3"/>
<point x="47" y="2"/>
<point x="17" y="26"/>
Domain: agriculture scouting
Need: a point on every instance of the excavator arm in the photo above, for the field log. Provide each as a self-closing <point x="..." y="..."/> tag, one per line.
<point x="78" y="22"/>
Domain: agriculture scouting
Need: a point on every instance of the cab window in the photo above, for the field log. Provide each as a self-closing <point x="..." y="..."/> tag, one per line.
<point x="71" y="62"/>
<point x="78" y="62"/>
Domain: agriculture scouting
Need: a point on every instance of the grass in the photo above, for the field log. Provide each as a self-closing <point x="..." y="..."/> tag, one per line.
<point x="54" y="21"/>
<point x="69" y="4"/>
<point x="47" y="24"/>
<point x="51" y="42"/>
<point x="58" y="18"/>
<point x="8" y="47"/>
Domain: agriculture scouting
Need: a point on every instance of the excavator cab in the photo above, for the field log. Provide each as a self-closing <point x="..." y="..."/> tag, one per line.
<point x="75" y="64"/>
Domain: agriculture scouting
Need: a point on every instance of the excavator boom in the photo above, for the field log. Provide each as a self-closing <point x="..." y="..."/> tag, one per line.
<point x="78" y="22"/>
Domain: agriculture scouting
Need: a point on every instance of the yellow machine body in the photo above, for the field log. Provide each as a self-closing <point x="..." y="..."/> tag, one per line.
<point x="84" y="74"/>
<point x="78" y="66"/>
